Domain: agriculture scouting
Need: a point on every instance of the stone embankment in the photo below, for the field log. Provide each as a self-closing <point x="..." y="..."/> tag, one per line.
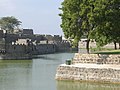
<point x="91" y="67"/>
<point x="96" y="58"/>
<point x="15" y="57"/>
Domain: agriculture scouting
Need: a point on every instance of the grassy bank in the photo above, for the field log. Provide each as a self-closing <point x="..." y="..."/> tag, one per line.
<point x="108" y="52"/>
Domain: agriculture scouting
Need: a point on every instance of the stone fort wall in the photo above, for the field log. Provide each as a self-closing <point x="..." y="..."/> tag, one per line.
<point x="11" y="43"/>
<point x="32" y="49"/>
<point x="43" y="49"/>
<point x="62" y="46"/>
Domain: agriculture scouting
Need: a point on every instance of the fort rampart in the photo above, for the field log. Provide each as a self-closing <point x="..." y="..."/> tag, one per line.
<point x="24" y="43"/>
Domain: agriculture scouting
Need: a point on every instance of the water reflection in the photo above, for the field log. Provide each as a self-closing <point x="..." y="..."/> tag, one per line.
<point x="65" y="85"/>
<point x="36" y="74"/>
<point x="15" y="75"/>
<point x="39" y="74"/>
<point x="44" y="70"/>
<point x="56" y="56"/>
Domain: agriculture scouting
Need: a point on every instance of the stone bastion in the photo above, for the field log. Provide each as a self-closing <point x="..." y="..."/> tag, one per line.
<point x="91" y="67"/>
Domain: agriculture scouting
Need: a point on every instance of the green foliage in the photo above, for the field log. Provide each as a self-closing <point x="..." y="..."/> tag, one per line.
<point x="69" y="17"/>
<point x="9" y="23"/>
<point x="99" y="20"/>
<point x="107" y="21"/>
<point x="75" y="16"/>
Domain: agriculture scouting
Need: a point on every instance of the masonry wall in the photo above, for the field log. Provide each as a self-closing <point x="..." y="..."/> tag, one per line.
<point x="91" y="67"/>
<point x="43" y="49"/>
<point x="62" y="46"/>
<point x="96" y="58"/>
<point x="17" y="44"/>
<point x="88" y="74"/>
<point x="16" y="49"/>
<point x="2" y="45"/>
<point x="35" y="49"/>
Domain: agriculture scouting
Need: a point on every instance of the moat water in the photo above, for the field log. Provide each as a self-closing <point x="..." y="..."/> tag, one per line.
<point x="39" y="74"/>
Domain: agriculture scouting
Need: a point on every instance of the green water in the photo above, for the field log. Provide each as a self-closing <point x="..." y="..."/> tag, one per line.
<point x="39" y="74"/>
<point x="63" y="85"/>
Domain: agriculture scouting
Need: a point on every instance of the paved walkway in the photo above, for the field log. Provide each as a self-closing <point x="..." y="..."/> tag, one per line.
<point x="101" y="66"/>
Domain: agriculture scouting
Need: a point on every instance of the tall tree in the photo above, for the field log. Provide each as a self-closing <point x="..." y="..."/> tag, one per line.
<point x="97" y="19"/>
<point x="107" y="21"/>
<point x="76" y="18"/>
<point x="9" y="23"/>
<point x="69" y="17"/>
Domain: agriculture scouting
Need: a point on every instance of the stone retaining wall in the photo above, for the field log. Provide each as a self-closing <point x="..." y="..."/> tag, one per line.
<point x="88" y="73"/>
<point x="91" y="67"/>
<point x="96" y="58"/>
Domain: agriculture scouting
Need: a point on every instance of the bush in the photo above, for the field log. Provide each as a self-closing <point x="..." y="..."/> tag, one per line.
<point x="68" y="62"/>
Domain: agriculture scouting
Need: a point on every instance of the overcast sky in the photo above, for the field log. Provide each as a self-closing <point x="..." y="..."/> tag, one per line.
<point x="39" y="15"/>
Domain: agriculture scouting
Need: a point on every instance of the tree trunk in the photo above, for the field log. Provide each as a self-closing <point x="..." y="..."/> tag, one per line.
<point x="87" y="45"/>
<point x="115" y="45"/>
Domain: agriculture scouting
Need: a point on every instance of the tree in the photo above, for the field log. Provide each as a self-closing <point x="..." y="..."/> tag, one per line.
<point x="9" y="23"/>
<point x="76" y="18"/>
<point x="107" y="22"/>
<point x="97" y="19"/>
<point x="69" y="17"/>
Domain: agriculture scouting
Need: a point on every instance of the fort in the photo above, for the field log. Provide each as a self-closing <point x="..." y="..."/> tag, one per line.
<point x="23" y="44"/>
<point x="91" y="67"/>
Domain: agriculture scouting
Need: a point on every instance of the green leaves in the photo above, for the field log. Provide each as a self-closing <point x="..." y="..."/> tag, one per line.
<point x="9" y="23"/>
<point x="100" y="20"/>
<point x="107" y="19"/>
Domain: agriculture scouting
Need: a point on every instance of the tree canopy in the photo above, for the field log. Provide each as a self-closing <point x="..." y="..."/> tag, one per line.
<point x="97" y="19"/>
<point x="9" y="23"/>
<point x="107" y="21"/>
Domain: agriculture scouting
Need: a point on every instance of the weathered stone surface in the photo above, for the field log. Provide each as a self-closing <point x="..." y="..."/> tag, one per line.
<point x="97" y="73"/>
<point x="96" y="58"/>
<point x="91" y="67"/>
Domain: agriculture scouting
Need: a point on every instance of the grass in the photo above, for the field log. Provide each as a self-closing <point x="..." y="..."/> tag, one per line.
<point x="108" y="52"/>
<point x="100" y="49"/>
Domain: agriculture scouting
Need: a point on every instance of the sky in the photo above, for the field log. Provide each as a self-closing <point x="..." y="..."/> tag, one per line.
<point x="39" y="15"/>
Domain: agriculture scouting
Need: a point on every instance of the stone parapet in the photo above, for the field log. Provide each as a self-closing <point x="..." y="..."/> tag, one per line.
<point x="96" y="58"/>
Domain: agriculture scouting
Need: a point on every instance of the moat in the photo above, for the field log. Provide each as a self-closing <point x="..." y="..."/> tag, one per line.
<point x="39" y="74"/>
